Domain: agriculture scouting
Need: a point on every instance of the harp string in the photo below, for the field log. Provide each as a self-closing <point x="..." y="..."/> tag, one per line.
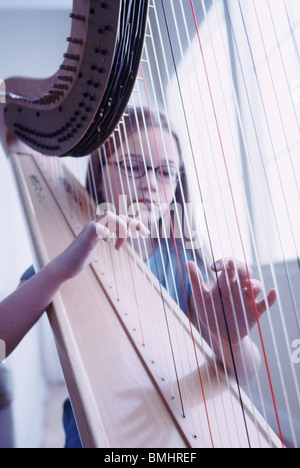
<point x="182" y="196"/>
<point x="236" y="376"/>
<point x="246" y="208"/>
<point x="157" y="272"/>
<point x="244" y="253"/>
<point x="121" y="157"/>
<point x="133" y="281"/>
<point x="293" y="172"/>
<point x="77" y="214"/>
<point x="223" y="256"/>
<point x="282" y="188"/>
<point x="211" y="146"/>
<point x="91" y="185"/>
<point x="274" y="152"/>
<point x="114" y="205"/>
<point x="235" y="152"/>
<point x="293" y="371"/>
<point x="169" y="256"/>
<point x="95" y="194"/>
<point x="164" y="228"/>
<point x="247" y="154"/>
<point x="293" y="104"/>
<point x="132" y="197"/>
<point x="253" y="120"/>
<point x="129" y="261"/>
<point x="158" y="237"/>
<point x="108" y="189"/>
<point x="159" y="242"/>
<point x="136" y="197"/>
<point x="155" y="252"/>
<point x="287" y="342"/>
<point x="200" y="190"/>
<point x="292" y="31"/>
<point x="271" y="263"/>
<point x="165" y="106"/>
<point x="171" y="338"/>
<point x="178" y="262"/>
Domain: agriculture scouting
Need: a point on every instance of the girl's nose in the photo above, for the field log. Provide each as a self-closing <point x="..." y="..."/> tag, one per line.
<point x="151" y="180"/>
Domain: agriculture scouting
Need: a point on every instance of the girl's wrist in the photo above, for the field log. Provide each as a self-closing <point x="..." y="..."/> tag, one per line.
<point x="57" y="272"/>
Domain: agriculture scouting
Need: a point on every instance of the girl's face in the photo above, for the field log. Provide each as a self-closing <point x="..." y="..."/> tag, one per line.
<point x="146" y="171"/>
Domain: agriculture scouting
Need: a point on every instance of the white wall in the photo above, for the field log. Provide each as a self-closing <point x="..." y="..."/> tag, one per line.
<point x="32" y="44"/>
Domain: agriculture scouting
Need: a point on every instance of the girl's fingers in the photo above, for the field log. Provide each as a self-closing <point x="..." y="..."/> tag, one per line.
<point x="233" y="269"/>
<point x="110" y="225"/>
<point x="196" y="279"/>
<point x="120" y="225"/>
<point x="254" y="288"/>
<point x="102" y="231"/>
<point x="263" y="305"/>
<point x="136" y="225"/>
<point x="119" y="243"/>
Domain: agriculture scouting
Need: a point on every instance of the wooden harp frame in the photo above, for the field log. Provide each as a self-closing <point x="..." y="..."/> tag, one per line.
<point x="102" y="330"/>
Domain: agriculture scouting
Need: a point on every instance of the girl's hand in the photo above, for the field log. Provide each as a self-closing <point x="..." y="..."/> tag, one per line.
<point x="234" y="295"/>
<point x="111" y="225"/>
<point x="80" y="253"/>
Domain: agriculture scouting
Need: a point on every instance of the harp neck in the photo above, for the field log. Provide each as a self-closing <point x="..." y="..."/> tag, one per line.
<point x="76" y="109"/>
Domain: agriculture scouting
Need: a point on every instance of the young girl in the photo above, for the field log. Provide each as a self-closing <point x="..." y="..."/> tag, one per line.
<point x="142" y="164"/>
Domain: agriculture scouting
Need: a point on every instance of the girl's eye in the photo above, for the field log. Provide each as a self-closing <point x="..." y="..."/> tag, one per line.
<point x="135" y="168"/>
<point x="126" y="167"/>
<point x="169" y="173"/>
<point x="129" y="169"/>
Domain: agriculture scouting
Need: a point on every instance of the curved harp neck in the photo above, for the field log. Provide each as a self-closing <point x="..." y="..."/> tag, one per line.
<point x="76" y="109"/>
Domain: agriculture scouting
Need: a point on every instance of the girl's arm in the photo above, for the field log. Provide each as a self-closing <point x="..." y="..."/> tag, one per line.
<point x="21" y="310"/>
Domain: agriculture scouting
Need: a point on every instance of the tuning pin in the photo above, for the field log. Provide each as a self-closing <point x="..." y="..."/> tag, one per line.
<point x="77" y="17"/>
<point x="64" y="78"/>
<point x="60" y="86"/>
<point x="75" y="40"/>
<point x="56" y="93"/>
<point x="72" y="57"/>
<point x="68" y="68"/>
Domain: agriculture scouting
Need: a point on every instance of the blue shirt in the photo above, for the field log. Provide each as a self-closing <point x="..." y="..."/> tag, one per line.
<point x="169" y="269"/>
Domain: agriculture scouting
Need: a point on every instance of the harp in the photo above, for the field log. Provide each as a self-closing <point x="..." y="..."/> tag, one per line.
<point x="138" y="371"/>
